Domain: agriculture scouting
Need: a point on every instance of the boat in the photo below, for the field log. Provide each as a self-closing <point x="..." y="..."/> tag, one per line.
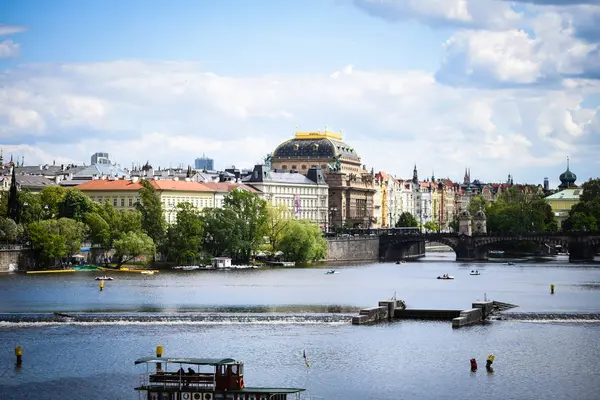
<point x="187" y="267"/>
<point x="202" y="379"/>
<point x="445" y="277"/>
<point x="475" y="273"/>
<point x="331" y="271"/>
<point x="104" y="278"/>
<point x="509" y="263"/>
<point x="147" y="272"/>
<point x="400" y="262"/>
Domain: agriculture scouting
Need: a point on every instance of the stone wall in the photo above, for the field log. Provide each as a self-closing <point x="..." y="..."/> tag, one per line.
<point x="353" y="248"/>
<point x="12" y="260"/>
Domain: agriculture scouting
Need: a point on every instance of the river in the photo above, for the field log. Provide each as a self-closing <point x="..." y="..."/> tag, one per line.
<point x="547" y="348"/>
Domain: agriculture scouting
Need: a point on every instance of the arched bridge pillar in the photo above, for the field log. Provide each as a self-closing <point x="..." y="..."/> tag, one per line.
<point x="467" y="250"/>
<point x="581" y="250"/>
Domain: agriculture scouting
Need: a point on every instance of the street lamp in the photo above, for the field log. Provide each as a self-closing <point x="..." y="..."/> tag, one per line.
<point x="332" y="211"/>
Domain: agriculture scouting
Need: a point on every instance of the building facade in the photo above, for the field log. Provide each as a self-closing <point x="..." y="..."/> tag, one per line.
<point x="204" y="163"/>
<point x="305" y="196"/>
<point x="351" y="187"/>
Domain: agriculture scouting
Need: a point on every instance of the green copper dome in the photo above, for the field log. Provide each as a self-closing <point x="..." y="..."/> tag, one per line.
<point x="567" y="178"/>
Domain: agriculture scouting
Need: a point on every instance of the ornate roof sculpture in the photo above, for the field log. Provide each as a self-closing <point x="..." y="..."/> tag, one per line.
<point x="318" y="144"/>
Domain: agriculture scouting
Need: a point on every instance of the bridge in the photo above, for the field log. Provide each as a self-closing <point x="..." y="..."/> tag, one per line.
<point x="394" y="243"/>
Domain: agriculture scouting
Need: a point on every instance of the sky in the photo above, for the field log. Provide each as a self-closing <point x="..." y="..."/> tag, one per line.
<point x="500" y="87"/>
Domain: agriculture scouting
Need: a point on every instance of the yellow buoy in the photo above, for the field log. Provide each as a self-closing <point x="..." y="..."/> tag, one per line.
<point x="19" y="354"/>
<point x="491" y="357"/>
<point x="101" y="285"/>
<point x="159" y="351"/>
<point x="552" y="288"/>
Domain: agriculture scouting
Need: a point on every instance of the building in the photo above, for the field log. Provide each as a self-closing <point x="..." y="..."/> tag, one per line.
<point x="124" y="194"/>
<point x="567" y="196"/>
<point x="204" y="163"/>
<point x="95" y="171"/>
<point x="351" y="187"/>
<point x="100" y="158"/>
<point x="221" y="189"/>
<point x="305" y="196"/>
<point x="561" y="203"/>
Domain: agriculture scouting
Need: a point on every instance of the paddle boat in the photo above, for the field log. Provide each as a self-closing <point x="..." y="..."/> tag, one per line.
<point x="509" y="263"/>
<point x="147" y="272"/>
<point x="331" y="271"/>
<point x="445" y="276"/>
<point x="474" y="272"/>
<point x="202" y="379"/>
<point x="400" y="262"/>
<point x="104" y="278"/>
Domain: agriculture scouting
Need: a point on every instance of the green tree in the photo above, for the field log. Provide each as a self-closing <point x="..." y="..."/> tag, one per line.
<point x="55" y="239"/>
<point x="30" y="207"/>
<point x="454" y="224"/>
<point x="303" y="242"/>
<point x="10" y="231"/>
<point x="477" y="203"/>
<point x="515" y="212"/>
<point x="186" y="235"/>
<point x="250" y="221"/>
<point x="99" y="230"/>
<point x="431" y="226"/>
<point x="150" y="207"/>
<point x="131" y="245"/>
<point x="221" y="237"/>
<point x="277" y="221"/>
<point x="3" y="203"/>
<point x="51" y="198"/>
<point x="74" y="205"/>
<point x="407" y="220"/>
<point x="585" y="215"/>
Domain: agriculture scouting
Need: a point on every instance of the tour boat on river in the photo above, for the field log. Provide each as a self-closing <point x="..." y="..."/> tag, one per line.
<point x="202" y="379"/>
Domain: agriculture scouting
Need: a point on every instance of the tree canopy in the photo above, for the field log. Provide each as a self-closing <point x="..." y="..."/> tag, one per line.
<point x="407" y="220"/>
<point x="585" y="215"/>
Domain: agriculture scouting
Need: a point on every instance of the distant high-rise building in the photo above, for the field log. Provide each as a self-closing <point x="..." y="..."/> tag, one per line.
<point x="100" y="158"/>
<point x="204" y="163"/>
<point x="546" y="185"/>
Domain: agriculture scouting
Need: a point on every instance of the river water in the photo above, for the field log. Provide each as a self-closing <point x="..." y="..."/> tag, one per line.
<point x="547" y="348"/>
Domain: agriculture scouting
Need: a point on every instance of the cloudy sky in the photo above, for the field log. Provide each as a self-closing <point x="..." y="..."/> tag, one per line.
<point x="497" y="86"/>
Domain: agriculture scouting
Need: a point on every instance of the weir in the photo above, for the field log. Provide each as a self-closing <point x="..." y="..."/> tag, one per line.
<point x="393" y="309"/>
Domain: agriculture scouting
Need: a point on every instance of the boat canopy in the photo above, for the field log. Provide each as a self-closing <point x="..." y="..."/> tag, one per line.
<point x="192" y="361"/>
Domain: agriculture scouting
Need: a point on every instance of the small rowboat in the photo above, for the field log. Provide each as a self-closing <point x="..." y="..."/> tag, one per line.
<point x="104" y="278"/>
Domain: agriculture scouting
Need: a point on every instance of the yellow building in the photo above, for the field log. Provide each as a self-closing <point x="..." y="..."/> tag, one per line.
<point x="562" y="202"/>
<point x="124" y="194"/>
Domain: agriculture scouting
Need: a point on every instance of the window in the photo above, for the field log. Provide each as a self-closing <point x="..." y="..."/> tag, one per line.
<point x="130" y="202"/>
<point x="122" y="202"/>
<point x="114" y="202"/>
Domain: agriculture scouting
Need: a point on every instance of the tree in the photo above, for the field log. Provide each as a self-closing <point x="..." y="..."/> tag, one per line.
<point x="74" y="205"/>
<point x="250" y="221"/>
<point x="51" y="198"/>
<point x="30" y="207"/>
<point x="221" y="237"/>
<point x="585" y="215"/>
<point x="476" y="204"/>
<point x="407" y="220"/>
<point x="150" y="207"/>
<point x="517" y="212"/>
<point x="10" y="231"/>
<point x="185" y="236"/>
<point x="131" y="245"/>
<point x="454" y="224"/>
<point x="303" y="242"/>
<point x="277" y="221"/>
<point x="55" y="239"/>
<point x="99" y="233"/>
<point x="431" y="226"/>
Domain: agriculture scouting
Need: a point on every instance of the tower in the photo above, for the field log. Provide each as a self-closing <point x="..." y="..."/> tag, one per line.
<point x="415" y="178"/>
<point x="13" y="201"/>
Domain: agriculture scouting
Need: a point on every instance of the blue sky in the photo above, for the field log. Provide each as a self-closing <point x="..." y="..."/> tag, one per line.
<point x="497" y="86"/>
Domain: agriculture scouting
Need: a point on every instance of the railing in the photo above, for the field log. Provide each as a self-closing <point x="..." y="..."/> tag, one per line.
<point x="177" y="380"/>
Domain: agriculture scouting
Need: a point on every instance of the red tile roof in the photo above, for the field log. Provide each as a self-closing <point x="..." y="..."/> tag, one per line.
<point x="126" y="184"/>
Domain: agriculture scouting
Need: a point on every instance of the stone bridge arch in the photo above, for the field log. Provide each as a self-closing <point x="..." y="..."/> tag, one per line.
<point x="485" y="241"/>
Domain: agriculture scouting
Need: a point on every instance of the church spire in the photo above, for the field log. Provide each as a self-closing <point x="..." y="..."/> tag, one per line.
<point x="415" y="178"/>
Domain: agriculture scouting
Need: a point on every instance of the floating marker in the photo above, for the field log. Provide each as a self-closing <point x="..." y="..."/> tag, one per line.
<point x="19" y="354"/>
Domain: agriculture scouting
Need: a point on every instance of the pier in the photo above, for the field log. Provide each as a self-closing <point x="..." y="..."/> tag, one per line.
<point x="393" y="309"/>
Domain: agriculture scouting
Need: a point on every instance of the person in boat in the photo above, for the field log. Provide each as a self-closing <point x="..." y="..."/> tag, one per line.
<point x="191" y="371"/>
<point x="181" y="371"/>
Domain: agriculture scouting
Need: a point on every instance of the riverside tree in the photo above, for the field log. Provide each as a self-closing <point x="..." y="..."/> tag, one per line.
<point x="407" y="220"/>
<point x="53" y="240"/>
<point x="303" y="241"/>
<point x="150" y="206"/>
<point x="585" y="215"/>
<point x="131" y="245"/>
<point x="277" y="222"/>
<point x="185" y="236"/>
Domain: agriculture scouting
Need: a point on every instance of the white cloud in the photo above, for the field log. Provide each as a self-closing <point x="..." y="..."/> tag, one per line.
<point x="171" y="112"/>
<point x="469" y="13"/>
<point x="10" y="29"/>
<point x="8" y="48"/>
